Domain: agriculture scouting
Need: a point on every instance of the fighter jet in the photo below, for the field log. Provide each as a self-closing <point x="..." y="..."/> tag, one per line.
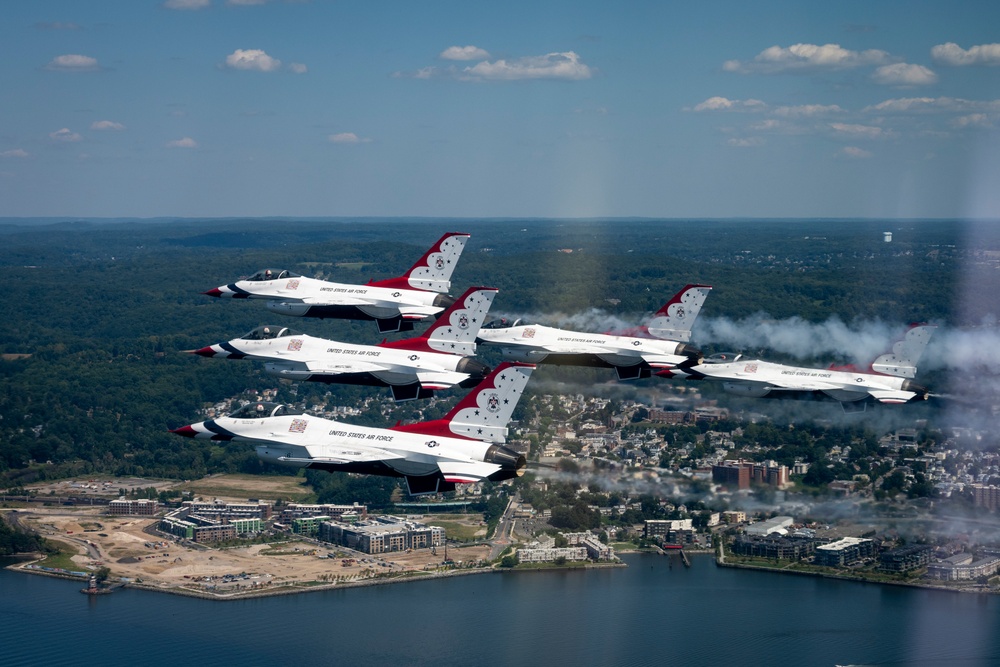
<point x="886" y="380"/>
<point x="395" y="303"/>
<point x="412" y="368"/>
<point x="632" y="356"/>
<point x="465" y="446"/>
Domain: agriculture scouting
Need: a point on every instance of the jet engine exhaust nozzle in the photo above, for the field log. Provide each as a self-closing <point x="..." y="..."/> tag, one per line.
<point x="690" y="351"/>
<point x="921" y="391"/>
<point x="445" y="301"/>
<point x="508" y="460"/>
<point x="476" y="369"/>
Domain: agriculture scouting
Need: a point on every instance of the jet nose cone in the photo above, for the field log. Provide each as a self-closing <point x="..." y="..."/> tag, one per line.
<point x="186" y="431"/>
<point x="204" y="352"/>
<point x="215" y="291"/>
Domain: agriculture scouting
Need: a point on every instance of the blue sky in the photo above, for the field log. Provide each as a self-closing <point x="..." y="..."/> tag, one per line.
<point x="457" y="109"/>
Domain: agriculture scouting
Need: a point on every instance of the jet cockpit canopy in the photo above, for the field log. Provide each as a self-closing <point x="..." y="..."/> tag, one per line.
<point x="506" y="322"/>
<point x="267" y="332"/>
<point x="722" y="358"/>
<point x="272" y="274"/>
<point x="262" y="409"/>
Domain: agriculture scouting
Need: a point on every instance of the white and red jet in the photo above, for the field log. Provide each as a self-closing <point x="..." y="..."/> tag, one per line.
<point x="653" y="350"/>
<point x="413" y="368"/>
<point x="886" y="380"/>
<point x="395" y="303"/>
<point x="465" y="446"/>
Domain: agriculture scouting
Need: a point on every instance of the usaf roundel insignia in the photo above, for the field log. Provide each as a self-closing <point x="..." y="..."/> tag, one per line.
<point x="463" y="321"/>
<point x="432" y="443"/>
<point x="493" y="403"/>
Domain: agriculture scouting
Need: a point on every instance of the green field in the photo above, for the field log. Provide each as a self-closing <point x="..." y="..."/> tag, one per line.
<point x="267" y="487"/>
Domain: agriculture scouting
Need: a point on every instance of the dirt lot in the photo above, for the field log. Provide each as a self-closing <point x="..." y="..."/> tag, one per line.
<point x="121" y="544"/>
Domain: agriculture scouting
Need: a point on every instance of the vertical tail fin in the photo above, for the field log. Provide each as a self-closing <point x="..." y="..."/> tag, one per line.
<point x="455" y="330"/>
<point x="485" y="411"/>
<point x="675" y="319"/>
<point x="432" y="272"/>
<point x="906" y="352"/>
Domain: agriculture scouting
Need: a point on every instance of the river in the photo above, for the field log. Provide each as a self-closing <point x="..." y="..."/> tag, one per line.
<point x="655" y="612"/>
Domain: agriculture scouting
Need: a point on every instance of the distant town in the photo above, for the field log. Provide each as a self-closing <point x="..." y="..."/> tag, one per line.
<point x="912" y="505"/>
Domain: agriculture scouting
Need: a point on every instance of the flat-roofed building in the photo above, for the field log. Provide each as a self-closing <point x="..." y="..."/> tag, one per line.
<point x="781" y="548"/>
<point x="907" y="558"/>
<point x="529" y="555"/>
<point x="778" y="524"/>
<point x="382" y="535"/>
<point x="845" y="552"/>
<point x="966" y="571"/>
<point x="134" y="507"/>
<point x="214" y="533"/>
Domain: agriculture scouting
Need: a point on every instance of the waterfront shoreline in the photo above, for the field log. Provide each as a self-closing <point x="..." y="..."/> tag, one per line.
<point x="302" y="587"/>
<point x="848" y="577"/>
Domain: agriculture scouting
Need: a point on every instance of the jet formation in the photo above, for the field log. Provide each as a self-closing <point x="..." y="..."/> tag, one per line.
<point x="655" y="350"/>
<point x="412" y="368"/>
<point x="465" y="446"/>
<point x="394" y="303"/>
<point x="469" y="443"/>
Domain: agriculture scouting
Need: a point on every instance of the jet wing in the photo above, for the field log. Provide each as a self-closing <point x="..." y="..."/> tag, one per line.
<point x="467" y="473"/>
<point x="351" y="367"/>
<point x="325" y="300"/>
<point x="342" y="455"/>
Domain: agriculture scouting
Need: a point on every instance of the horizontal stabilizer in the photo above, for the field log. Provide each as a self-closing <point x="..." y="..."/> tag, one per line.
<point x="467" y="473"/>
<point x="890" y="396"/>
<point x="440" y="379"/>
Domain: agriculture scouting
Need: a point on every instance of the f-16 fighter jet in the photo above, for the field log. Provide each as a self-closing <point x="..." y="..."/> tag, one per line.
<point x="395" y="303"/>
<point x="465" y="446"/>
<point x="886" y="380"/>
<point x="632" y="356"/>
<point x="412" y="368"/>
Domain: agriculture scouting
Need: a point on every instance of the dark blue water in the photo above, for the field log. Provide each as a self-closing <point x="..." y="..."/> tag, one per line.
<point x="647" y="614"/>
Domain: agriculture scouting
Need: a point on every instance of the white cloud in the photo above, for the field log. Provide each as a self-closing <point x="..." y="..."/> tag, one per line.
<point x="347" y="138"/>
<point x="955" y="55"/>
<point x="186" y="142"/>
<point x="106" y="125"/>
<point x="14" y="152"/>
<point x="803" y="110"/>
<point x="65" y="135"/>
<point x="768" y="125"/>
<point x="252" y="59"/>
<point x="855" y="152"/>
<point x="975" y="120"/>
<point x="905" y="105"/>
<point x="566" y="65"/>
<point x="58" y="25"/>
<point x="186" y="4"/>
<point x="245" y="3"/>
<point x="748" y="142"/>
<point x="904" y="74"/>
<point x="800" y="57"/>
<point x="73" y="63"/>
<point x="725" y="104"/>
<point x="298" y="68"/>
<point x="862" y="131"/>
<point x="464" y="53"/>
